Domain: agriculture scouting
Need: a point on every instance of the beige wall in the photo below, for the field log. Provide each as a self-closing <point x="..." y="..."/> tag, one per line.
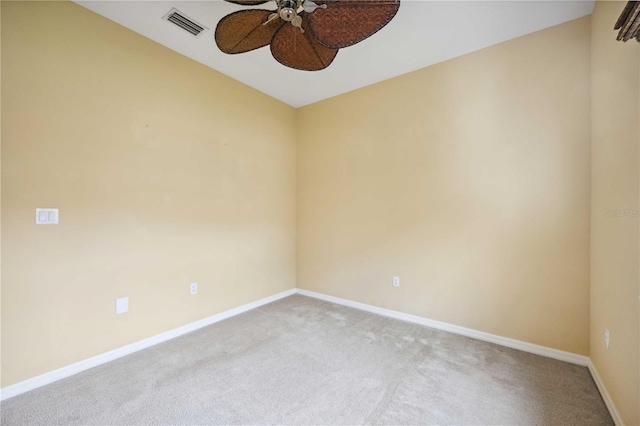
<point x="615" y="275"/>
<point x="469" y="180"/>
<point x="165" y="172"/>
<point x="0" y="195"/>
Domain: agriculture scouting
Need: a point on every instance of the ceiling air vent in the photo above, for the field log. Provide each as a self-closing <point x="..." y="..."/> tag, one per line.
<point x="183" y="21"/>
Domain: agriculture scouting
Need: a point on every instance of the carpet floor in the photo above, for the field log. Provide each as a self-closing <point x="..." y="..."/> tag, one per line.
<point x="304" y="361"/>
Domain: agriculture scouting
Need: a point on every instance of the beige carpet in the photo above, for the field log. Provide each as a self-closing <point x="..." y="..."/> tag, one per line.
<point x="304" y="361"/>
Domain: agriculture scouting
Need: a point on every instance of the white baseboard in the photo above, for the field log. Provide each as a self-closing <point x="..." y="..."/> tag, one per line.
<point x="61" y="373"/>
<point x="615" y="414"/>
<point x="455" y="329"/>
<point x="487" y="337"/>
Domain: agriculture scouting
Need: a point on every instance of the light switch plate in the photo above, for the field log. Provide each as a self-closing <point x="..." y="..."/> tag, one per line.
<point x="122" y="305"/>
<point x="47" y="216"/>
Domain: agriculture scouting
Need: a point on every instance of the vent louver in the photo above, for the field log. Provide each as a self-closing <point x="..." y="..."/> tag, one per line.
<point x="183" y="21"/>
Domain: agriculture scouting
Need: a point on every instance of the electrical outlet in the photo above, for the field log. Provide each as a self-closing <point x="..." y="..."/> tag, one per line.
<point x="606" y="337"/>
<point x="396" y="281"/>
<point x="194" y="288"/>
<point x="122" y="305"/>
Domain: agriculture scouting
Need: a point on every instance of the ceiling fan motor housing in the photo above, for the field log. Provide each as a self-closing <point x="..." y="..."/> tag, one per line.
<point x="288" y="9"/>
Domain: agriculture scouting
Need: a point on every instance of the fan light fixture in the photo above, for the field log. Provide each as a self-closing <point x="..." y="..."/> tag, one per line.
<point x="303" y="34"/>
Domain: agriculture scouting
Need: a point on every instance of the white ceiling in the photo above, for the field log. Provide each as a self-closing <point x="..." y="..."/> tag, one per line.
<point x="422" y="33"/>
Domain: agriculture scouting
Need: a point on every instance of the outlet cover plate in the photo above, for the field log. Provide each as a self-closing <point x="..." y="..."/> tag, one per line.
<point x="122" y="305"/>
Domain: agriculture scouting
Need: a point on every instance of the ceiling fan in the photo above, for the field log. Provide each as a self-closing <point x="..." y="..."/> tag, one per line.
<point x="303" y="34"/>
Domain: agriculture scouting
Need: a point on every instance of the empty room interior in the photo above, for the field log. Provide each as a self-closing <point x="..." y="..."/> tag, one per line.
<point x="320" y="212"/>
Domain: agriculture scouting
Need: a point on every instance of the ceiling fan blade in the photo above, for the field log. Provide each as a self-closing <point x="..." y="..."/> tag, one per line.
<point x="344" y="23"/>
<point x="246" y="30"/>
<point x="295" y="49"/>
<point x="248" y="2"/>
